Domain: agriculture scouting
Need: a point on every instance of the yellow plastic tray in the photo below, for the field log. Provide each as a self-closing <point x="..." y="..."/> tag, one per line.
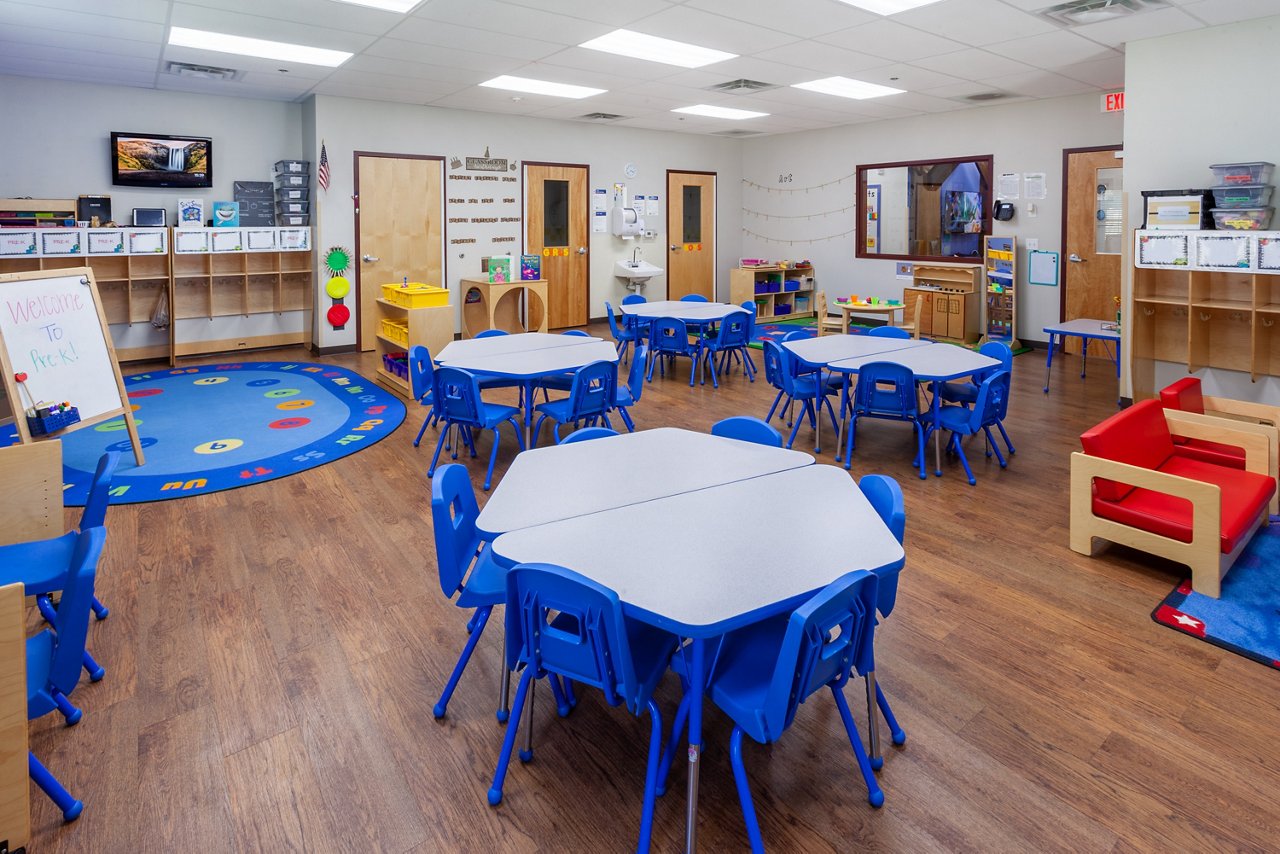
<point x="416" y="295"/>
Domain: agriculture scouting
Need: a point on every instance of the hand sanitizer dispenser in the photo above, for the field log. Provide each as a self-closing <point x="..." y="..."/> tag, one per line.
<point x="625" y="222"/>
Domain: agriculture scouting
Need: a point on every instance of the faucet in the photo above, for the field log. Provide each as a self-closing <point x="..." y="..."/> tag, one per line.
<point x="634" y="255"/>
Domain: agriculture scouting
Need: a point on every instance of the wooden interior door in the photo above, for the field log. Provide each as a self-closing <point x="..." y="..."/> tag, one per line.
<point x="1093" y="235"/>
<point x="556" y="226"/>
<point x="399" y="228"/>
<point x="691" y="234"/>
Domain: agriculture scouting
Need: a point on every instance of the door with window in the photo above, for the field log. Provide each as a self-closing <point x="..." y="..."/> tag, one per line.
<point x="691" y="234"/>
<point x="556" y="227"/>
<point x="399" y="221"/>
<point x="1093" y="235"/>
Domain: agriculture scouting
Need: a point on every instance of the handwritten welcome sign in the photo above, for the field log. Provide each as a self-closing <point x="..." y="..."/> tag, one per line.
<point x="52" y="332"/>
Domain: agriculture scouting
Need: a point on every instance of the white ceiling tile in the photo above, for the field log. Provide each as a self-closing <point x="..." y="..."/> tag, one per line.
<point x="295" y="70"/>
<point x="1039" y="84"/>
<point x="83" y="71"/>
<point x="155" y="11"/>
<point x="959" y="89"/>
<point x="805" y="20"/>
<point x="972" y="64"/>
<point x="226" y="88"/>
<point x="417" y="70"/>
<point x="1146" y="25"/>
<point x="828" y="59"/>
<point x="253" y="26"/>
<point x="369" y="93"/>
<point x="1104" y="73"/>
<point x="512" y="20"/>
<point x="892" y="41"/>
<point x="613" y="14"/>
<point x="424" y="89"/>
<point x="338" y="16"/>
<point x="921" y="102"/>
<point x="1048" y="50"/>
<point x="975" y="22"/>
<point x="903" y="76"/>
<point x="704" y="29"/>
<point x="493" y="101"/>
<point x="604" y="63"/>
<point x="75" y="56"/>
<point x="423" y="31"/>
<point x="20" y="14"/>
<point x="70" y="40"/>
<point x="465" y="59"/>
<point x="1230" y="11"/>
<point x="762" y="70"/>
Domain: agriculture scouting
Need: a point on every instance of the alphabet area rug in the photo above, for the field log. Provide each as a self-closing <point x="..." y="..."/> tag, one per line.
<point x="215" y="427"/>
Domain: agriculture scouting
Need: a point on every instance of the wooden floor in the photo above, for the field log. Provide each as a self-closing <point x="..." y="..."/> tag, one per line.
<point x="273" y="654"/>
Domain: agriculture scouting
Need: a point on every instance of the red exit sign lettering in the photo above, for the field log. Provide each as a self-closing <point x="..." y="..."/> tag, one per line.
<point x="1113" y="102"/>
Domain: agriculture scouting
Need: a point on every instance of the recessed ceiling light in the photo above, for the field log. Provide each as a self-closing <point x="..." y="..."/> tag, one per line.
<point x="846" y="87"/>
<point x="223" y="43"/>
<point x="541" y="87"/>
<point x="719" y="112"/>
<point x="400" y="6"/>
<point x="888" y="7"/>
<point x="654" y="49"/>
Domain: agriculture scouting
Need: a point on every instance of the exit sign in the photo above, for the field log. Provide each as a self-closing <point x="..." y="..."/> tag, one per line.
<point x="1113" y="102"/>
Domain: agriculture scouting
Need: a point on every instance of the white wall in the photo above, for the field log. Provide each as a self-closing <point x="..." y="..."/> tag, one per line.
<point x="348" y="125"/>
<point x="1184" y="111"/>
<point x="1023" y="137"/>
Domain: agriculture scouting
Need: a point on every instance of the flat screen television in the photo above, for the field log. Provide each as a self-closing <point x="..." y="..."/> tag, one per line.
<point x="161" y="160"/>
<point x="962" y="213"/>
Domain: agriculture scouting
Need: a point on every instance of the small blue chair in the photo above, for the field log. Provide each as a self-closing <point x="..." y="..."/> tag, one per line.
<point x="628" y="395"/>
<point x="559" y="382"/>
<point x="491" y="333"/>
<point x="694" y="298"/>
<point x="639" y="325"/>
<point x="993" y="399"/>
<point x="623" y="336"/>
<point x="773" y="376"/>
<point x="54" y="657"/>
<point x="591" y="396"/>
<point x="578" y="333"/>
<point x="589" y="641"/>
<point x="886" y="390"/>
<point x="886" y="498"/>
<point x="746" y="428"/>
<point x="422" y="385"/>
<point x="457" y="396"/>
<point x="816" y="647"/>
<point x="668" y="338"/>
<point x="888" y="332"/>
<point x="731" y="336"/>
<point x="966" y="393"/>
<point x="633" y="299"/>
<point x="586" y="434"/>
<point x="811" y="390"/>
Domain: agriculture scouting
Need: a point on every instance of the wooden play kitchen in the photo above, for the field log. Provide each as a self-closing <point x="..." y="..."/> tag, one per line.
<point x="950" y="292"/>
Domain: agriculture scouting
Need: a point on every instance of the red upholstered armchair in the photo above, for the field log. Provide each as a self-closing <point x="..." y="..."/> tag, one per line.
<point x="1131" y="486"/>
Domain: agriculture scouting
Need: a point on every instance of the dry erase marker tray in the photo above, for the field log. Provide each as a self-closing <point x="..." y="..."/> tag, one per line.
<point x="52" y="421"/>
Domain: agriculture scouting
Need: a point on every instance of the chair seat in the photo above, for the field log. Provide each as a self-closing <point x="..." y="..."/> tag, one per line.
<point x="556" y="409"/>
<point x="1244" y="497"/>
<point x="954" y="418"/>
<point x="1206" y="451"/>
<point x="623" y="397"/>
<point x="496" y="413"/>
<point x="487" y="583"/>
<point x="41" y="566"/>
<point x="960" y="393"/>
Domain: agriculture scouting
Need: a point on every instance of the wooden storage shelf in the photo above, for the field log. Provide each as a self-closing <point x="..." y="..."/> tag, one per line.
<point x="1161" y="300"/>
<point x="431" y="327"/>
<point x="743" y="283"/>
<point x="1232" y="304"/>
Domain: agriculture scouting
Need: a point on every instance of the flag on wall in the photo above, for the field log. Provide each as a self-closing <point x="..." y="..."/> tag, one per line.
<point x="322" y="171"/>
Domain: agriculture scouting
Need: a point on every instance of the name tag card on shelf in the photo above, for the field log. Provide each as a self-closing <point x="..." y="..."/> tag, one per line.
<point x="1224" y="251"/>
<point x="260" y="239"/>
<point x="295" y="238"/>
<point x="227" y="240"/>
<point x="60" y="242"/>
<point x="17" y="242"/>
<point x="148" y="242"/>
<point x="1164" y="250"/>
<point x="106" y="241"/>
<point x="194" y="240"/>
<point x="1269" y="254"/>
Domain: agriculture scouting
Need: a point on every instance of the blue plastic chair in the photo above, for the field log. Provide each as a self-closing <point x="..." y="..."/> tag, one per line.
<point x="579" y="333"/>
<point x="640" y="325"/>
<point x="54" y="657"/>
<point x="588" y="641"/>
<point x="633" y="299"/>
<point x="623" y="336"/>
<point x="816" y="647"/>
<point x="559" y="382"/>
<point x="773" y="376"/>
<point x="993" y="398"/>
<point x="628" y="395"/>
<point x="886" y="498"/>
<point x="888" y="332"/>
<point x="668" y="338"/>
<point x="586" y="434"/>
<point x="966" y="393"/>
<point x="466" y="567"/>
<point x="457" y="395"/>
<point x="886" y="390"/>
<point x="422" y="385"/>
<point x="591" y="396"/>
<point x="491" y="333"/>
<point x="810" y="390"/>
<point x="746" y="428"/>
<point x="694" y="298"/>
<point x="732" y="336"/>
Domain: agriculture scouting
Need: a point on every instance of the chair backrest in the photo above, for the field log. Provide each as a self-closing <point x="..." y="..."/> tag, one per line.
<point x="750" y="306"/>
<point x="577" y="332"/>
<point x="490" y="333"/>
<point x="1185" y="394"/>
<point x="994" y="350"/>
<point x="915" y="316"/>
<point x="996" y="405"/>
<point x="560" y="622"/>
<point x="820" y="305"/>
<point x="669" y="335"/>
<point x="747" y="428"/>
<point x="586" y="434"/>
<point x="734" y="331"/>
<point x="613" y="322"/>
<point x="889" y="332"/>
<point x="886" y="390"/>
<point x="73" y="612"/>
<point x="1138" y="436"/>
<point x="693" y="298"/>
<point x="632" y="299"/>
<point x="453" y="517"/>
<point x="795" y="335"/>
<point x="457" y="395"/>
<point x="886" y="499"/>
<point x="775" y="364"/>
<point x="95" y="506"/>
<point x="421" y="372"/>
<point x="593" y="391"/>
<point x="33" y="474"/>
<point x="827" y="637"/>
<point x="635" y="378"/>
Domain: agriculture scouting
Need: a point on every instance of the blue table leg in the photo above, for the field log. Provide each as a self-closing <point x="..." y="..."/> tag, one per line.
<point x="696" y="689"/>
<point x="1048" y="364"/>
<point x="1119" y="400"/>
<point x="1084" y="355"/>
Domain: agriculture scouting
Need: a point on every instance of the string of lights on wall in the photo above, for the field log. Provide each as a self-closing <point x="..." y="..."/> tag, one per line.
<point x="768" y="216"/>
<point x="769" y="189"/>
<point x="797" y="242"/>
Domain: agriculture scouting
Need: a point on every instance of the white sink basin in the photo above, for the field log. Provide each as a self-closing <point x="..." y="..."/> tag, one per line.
<point x="636" y="270"/>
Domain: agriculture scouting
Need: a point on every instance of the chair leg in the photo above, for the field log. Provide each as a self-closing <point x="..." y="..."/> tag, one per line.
<point x="776" y="400"/>
<point x="71" y="808"/>
<point x="875" y="796"/>
<point x="964" y="461"/>
<point x="849" y="442"/>
<point x="70" y="712"/>
<point x="91" y="667"/>
<point x="504" y="682"/>
<point x="795" y="427"/>
<point x="442" y="704"/>
<point x="526" y="755"/>
<point x="991" y="444"/>
<point x="99" y="610"/>
<point x="50" y="614"/>
<point x="509" y="740"/>
<point x="650" y="776"/>
<point x="435" y="458"/>
<point x="1007" y="443"/>
<point x="664" y="765"/>
<point x="899" y="735"/>
<point x="425" y="422"/>
<point x="744" y="791"/>
<point x="493" y="458"/>
<point x="562" y="702"/>
<point x="626" y="419"/>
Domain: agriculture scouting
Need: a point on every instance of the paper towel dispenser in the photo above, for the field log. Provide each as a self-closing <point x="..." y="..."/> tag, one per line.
<point x="625" y="222"/>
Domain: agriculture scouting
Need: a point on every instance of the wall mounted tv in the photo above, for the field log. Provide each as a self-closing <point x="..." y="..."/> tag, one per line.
<point x="161" y="160"/>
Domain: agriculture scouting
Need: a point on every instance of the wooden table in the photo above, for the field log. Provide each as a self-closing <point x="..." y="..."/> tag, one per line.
<point x="848" y="308"/>
<point x="1085" y="329"/>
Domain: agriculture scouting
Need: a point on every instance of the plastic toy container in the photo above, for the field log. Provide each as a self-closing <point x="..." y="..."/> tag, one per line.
<point x="1257" y="172"/>
<point x="42" y="425"/>
<point x="1242" y="196"/>
<point x="791" y="285"/>
<point x="290" y="206"/>
<point x="762" y="287"/>
<point x="416" y="295"/>
<point x="782" y="308"/>
<point x="775" y="287"/>
<point x="1243" y="219"/>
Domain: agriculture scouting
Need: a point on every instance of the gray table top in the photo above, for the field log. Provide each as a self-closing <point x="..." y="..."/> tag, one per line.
<point x="830" y="348"/>
<point x="470" y="348"/>
<point x="1085" y="328"/>
<point x="525" y="364"/>
<point x="935" y="362"/>
<point x="696" y="311"/>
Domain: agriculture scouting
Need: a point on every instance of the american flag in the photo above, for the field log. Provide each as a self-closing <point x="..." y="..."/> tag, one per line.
<point x="322" y="171"/>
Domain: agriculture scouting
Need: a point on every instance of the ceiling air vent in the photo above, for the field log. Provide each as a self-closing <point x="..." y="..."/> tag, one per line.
<point x="201" y="72"/>
<point x="737" y="133"/>
<point x="986" y="96"/>
<point x="742" y="86"/>
<point x="1079" y="12"/>
<point x="602" y="117"/>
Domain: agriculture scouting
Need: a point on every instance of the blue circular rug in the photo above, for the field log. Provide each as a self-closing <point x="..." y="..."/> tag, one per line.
<point x="215" y="427"/>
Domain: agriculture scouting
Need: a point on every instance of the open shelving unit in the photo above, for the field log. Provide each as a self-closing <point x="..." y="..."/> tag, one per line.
<point x="754" y="284"/>
<point x="1000" y="258"/>
<point x="432" y="327"/>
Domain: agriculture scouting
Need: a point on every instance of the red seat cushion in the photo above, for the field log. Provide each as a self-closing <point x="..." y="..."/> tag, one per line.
<point x="1185" y="394"/>
<point x="1217" y="453"/>
<point x="1138" y="436"/>
<point x="1244" y="496"/>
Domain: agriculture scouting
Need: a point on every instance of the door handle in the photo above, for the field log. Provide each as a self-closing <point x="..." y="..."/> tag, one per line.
<point x="582" y="250"/>
<point x="675" y="248"/>
<point x="1076" y="259"/>
<point x="369" y="259"/>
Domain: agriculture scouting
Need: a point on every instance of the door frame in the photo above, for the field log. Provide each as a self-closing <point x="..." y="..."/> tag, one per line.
<point x="715" y="228"/>
<point x="355" y="206"/>
<point x="1066" y="162"/>
<point x="524" y="219"/>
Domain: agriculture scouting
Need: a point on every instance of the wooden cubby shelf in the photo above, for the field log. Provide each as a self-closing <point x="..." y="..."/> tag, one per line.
<point x="746" y="283"/>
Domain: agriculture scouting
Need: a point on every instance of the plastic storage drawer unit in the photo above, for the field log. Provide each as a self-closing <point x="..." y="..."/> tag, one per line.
<point x="1242" y="196"/>
<point x="298" y="167"/>
<point x="1243" y="219"/>
<point x="1257" y="172"/>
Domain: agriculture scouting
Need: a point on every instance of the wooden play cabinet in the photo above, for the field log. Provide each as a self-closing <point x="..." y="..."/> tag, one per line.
<point x="497" y="305"/>
<point x="950" y="292"/>
<point x="778" y="292"/>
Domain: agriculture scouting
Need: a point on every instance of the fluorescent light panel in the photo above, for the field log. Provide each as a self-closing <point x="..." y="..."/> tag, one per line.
<point x="541" y="87"/>
<point x="888" y="7"/>
<point x="719" y="112"/>
<point x="400" y="6"/>
<point x="641" y="46"/>
<point x="243" y="46"/>
<point x="846" y="87"/>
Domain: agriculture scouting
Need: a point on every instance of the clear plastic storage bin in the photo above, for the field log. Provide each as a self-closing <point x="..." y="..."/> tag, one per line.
<point x="1258" y="172"/>
<point x="1243" y="219"/>
<point x="1242" y="196"/>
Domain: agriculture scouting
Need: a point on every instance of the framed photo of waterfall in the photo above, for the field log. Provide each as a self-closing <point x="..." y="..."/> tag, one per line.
<point x="161" y="160"/>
